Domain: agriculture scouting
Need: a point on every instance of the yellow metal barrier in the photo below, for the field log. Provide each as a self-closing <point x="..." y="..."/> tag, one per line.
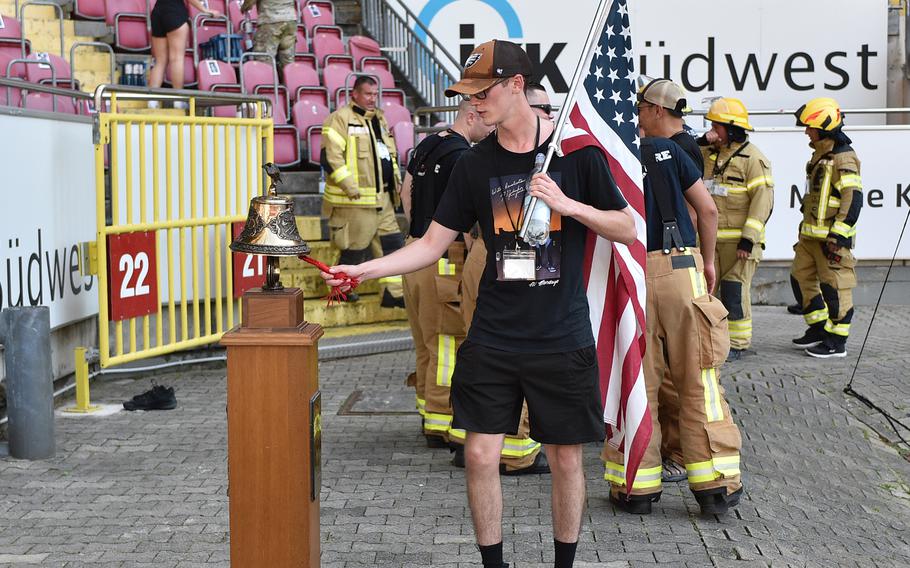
<point x="185" y="180"/>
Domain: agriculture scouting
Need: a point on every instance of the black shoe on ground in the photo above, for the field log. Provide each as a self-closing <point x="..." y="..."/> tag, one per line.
<point x="436" y="441"/>
<point x="390" y="301"/>
<point x="735" y="354"/>
<point x="672" y="472"/>
<point x="809" y="339"/>
<point x="156" y="398"/>
<point x="636" y="505"/>
<point x="458" y="458"/>
<point x="540" y="467"/>
<point x="716" y="501"/>
<point x="826" y="350"/>
<point x="795" y="309"/>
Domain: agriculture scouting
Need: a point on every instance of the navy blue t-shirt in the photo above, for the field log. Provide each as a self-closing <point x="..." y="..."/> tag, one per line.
<point x="680" y="173"/>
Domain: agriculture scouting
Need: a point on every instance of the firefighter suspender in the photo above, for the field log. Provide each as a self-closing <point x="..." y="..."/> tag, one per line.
<point x="661" y="190"/>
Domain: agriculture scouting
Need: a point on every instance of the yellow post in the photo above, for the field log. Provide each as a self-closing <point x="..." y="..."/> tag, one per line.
<point x="82" y="393"/>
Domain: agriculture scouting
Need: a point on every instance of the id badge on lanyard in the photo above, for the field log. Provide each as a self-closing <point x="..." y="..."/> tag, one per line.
<point x="382" y="151"/>
<point x="519" y="264"/>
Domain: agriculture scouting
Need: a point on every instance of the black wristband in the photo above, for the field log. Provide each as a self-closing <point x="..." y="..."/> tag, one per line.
<point x="745" y="245"/>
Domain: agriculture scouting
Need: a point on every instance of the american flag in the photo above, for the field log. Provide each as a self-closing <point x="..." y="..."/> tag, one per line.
<point x="604" y="115"/>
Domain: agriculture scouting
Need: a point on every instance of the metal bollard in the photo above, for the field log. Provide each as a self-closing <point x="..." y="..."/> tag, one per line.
<point x="29" y="382"/>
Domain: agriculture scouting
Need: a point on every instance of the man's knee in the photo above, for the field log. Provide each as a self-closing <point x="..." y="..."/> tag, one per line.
<point x="564" y="459"/>
<point x="482" y="450"/>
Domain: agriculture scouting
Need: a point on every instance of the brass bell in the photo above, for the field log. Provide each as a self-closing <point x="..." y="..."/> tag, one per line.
<point x="271" y="230"/>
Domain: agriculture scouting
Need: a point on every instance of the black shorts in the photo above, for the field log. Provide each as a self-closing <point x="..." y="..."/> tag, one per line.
<point x="167" y="16"/>
<point x="562" y="390"/>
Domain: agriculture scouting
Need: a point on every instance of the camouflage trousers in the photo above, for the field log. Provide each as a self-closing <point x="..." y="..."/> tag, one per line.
<point x="278" y="39"/>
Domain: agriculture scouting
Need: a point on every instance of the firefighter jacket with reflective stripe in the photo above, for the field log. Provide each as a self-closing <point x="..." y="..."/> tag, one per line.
<point x="834" y="195"/>
<point x="350" y="158"/>
<point x="739" y="178"/>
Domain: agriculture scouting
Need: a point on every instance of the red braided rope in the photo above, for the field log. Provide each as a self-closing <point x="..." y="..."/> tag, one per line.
<point x="335" y="294"/>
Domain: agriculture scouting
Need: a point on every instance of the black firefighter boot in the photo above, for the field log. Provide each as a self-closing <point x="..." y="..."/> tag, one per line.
<point x="815" y="335"/>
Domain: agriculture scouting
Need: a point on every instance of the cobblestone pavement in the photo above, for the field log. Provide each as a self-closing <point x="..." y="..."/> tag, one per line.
<point x="824" y="488"/>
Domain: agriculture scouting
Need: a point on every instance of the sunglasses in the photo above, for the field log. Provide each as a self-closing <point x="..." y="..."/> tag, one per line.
<point x="483" y="94"/>
<point x="547" y="109"/>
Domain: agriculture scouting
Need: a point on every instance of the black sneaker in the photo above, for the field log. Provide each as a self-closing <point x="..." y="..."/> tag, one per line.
<point x="716" y="501"/>
<point x="434" y="441"/>
<point x="809" y="339"/>
<point x="826" y="350"/>
<point x="636" y="504"/>
<point x="156" y="398"/>
<point x="540" y="467"/>
<point x="795" y="309"/>
<point x="390" y="301"/>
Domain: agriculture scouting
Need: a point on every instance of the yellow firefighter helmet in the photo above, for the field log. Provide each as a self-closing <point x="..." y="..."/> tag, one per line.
<point x="728" y="110"/>
<point x="822" y="113"/>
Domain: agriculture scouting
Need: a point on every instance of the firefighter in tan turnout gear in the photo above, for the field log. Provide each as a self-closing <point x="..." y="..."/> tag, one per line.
<point x="738" y="176"/>
<point x="823" y="263"/>
<point x="362" y="183"/>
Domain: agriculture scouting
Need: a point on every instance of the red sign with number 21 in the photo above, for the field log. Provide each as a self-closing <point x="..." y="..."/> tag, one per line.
<point x="133" y="282"/>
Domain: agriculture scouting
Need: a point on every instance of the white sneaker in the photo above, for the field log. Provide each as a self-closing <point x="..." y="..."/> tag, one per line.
<point x="181" y="105"/>
<point x="154" y="104"/>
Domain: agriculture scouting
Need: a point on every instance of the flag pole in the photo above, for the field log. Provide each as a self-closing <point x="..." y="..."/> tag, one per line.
<point x="580" y="71"/>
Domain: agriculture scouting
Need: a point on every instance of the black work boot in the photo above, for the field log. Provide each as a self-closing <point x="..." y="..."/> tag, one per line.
<point x="813" y="336"/>
<point x="636" y="504"/>
<point x="390" y="301"/>
<point x="716" y="501"/>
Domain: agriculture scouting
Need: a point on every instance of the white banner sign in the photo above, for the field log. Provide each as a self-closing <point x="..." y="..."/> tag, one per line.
<point x="886" y="189"/>
<point x="770" y="53"/>
<point x="48" y="196"/>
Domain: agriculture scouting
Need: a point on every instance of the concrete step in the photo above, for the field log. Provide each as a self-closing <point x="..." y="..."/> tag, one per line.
<point x="91" y="29"/>
<point x="365" y="311"/>
<point x="307" y="204"/>
<point x="299" y="182"/>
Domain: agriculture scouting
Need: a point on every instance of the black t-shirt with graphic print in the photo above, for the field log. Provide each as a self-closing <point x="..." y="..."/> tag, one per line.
<point x="549" y="314"/>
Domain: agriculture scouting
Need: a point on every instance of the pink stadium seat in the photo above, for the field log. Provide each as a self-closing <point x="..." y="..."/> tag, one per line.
<point x="45" y="102"/>
<point x="395" y="113"/>
<point x="404" y="140"/>
<point x="287" y="145"/>
<point x="316" y="13"/>
<point x="89" y="9"/>
<point x="227" y="111"/>
<point x="334" y="77"/>
<point x="327" y="40"/>
<point x="213" y="72"/>
<point x="303" y="44"/>
<point x="279" y="100"/>
<point x="10" y="30"/>
<point x="381" y="68"/>
<point x="362" y="46"/>
<point x="259" y="77"/>
<point x="307" y="58"/>
<point x="18" y="69"/>
<point x="307" y="115"/>
<point x="392" y="96"/>
<point x="314" y="143"/>
<point x="43" y="74"/>
<point x="218" y="5"/>
<point x="313" y="95"/>
<point x="189" y="70"/>
<point x="15" y="97"/>
<point x="237" y="17"/>
<point x="298" y="75"/>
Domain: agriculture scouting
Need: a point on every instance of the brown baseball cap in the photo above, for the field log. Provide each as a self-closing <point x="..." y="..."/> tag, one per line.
<point x="665" y="93"/>
<point x="488" y="63"/>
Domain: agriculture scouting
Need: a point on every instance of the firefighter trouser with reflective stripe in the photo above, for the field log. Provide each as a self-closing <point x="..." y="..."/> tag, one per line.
<point x="734" y="285"/>
<point x="357" y="229"/>
<point x="433" y="304"/>
<point x="686" y="336"/>
<point x="826" y="287"/>
<point x="518" y="451"/>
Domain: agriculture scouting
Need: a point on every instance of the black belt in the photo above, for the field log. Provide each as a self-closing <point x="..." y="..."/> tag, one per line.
<point x="686" y="261"/>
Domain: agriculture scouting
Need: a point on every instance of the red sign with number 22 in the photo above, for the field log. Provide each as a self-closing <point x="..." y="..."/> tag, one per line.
<point x="133" y="282"/>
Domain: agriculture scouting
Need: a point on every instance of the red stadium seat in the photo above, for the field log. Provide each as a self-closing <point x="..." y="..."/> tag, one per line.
<point x="404" y="140"/>
<point x="314" y="143"/>
<point x="237" y="17"/>
<point x="303" y="43"/>
<point x="313" y="95"/>
<point x="298" y="74"/>
<point x="217" y="5"/>
<point x="212" y="72"/>
<point x="10" y="29"/>
<point x="89" y="9"/>
<point x="306" y="116"/>
<point x="228" y="111"/>
<point x="287" y="145"/>
<point x="45" y="102"/>
<point x="381" y="68"/>
<point x="316" y="13"/>
<point x="395" y="113"/>
<point x="15" y="97"/>
<point x="392" y="96"/>
<point x="17" y="71"/>
<point x="327" y="40"/>
<point x="362" y="46"/>
<point x="307" y="58"/>
<point x="11" y="42"/>
<point x="130" y="23"/>
<point x="42" y="73"/>
<point x="259" y="77"/>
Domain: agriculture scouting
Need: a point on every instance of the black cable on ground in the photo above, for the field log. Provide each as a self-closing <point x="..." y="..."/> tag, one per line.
<point x="848" y="390"/>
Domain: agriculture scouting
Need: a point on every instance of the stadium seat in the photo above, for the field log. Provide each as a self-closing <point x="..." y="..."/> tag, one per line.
<point x="212" y="72"/>
<point x="316" y="13"/>
<point x="45" y="102"/>
<point x="217" y="5"/>
<point x="227" y="111"/>
<point x="314" y="143"/>
<point x="381" y="68"/>
<point x="392" y="96"/>
<point x="313" y="95"/>
<point x="303" y="44"/>
<point x="362" y="46"/>
<point x="306" y="116"/>
<point x="17" y="71"/>
<point x="286" y="145"/>
<point x="335" y="73"/>
<point x="395" y="113"/>
<point x="307" y="58"/>
<point x="404" y="140"/>
<point x="237" y="17"/>
<point x="259" y="77"/>
<point x="298" y="74"/>
<point x="43" y="74"/>
<point x="15" y="97"/>
<point x="89" y="9"/>
<point x="327" y="40"/>
<point x="130" y="23"/>
<point x="11" y="42"/>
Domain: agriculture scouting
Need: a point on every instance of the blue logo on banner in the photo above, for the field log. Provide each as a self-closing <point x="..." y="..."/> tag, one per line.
<point x="502" y="7"/>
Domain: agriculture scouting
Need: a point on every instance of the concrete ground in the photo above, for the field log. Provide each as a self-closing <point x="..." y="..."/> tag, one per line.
<point x="827" y="483"/>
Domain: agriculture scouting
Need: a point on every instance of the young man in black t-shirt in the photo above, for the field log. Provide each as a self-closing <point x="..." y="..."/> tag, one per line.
<point x="531" y="335"/>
